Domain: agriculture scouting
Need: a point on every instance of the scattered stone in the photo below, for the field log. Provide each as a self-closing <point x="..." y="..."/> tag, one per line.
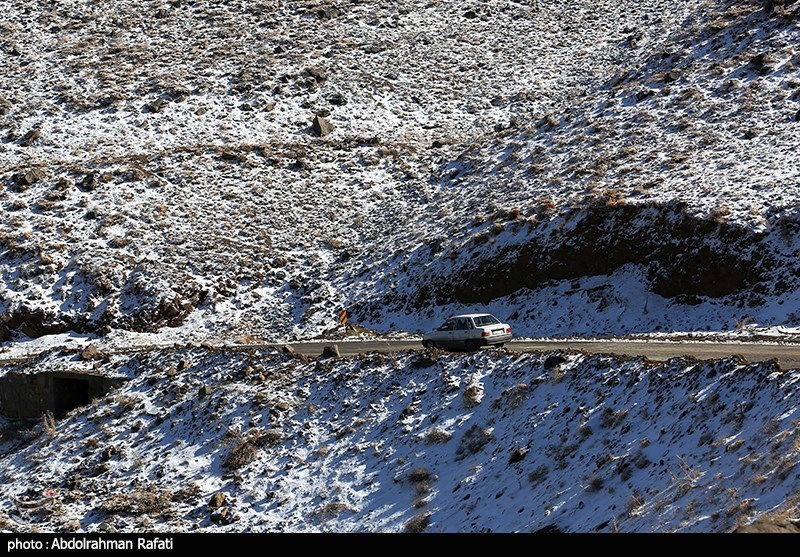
<point x="107" y="528"/>
<point x="92" y="352"/>
<point x="517" y="455"/>
<point x="767" y="525"/>
<point x="553" y="361"/>
<point x="155" y="106"/>
<point x="217" y="500"/>
<point x="424" y="360"/>
<point x="27" y="139"/>
<point x="336" y="99"/>
<point x="470" y="14"/>
<point x="222" y="515"/>
<point x="321" y="126"/>
<point x="320" y="75"/>
<point x="108" y="453"/>
<point x="205" y="391"/>
<point x="328" y="12"/>
<point x="24" y="180"/>
<point x="89" y="183"/>
<point x="171" y="371"/>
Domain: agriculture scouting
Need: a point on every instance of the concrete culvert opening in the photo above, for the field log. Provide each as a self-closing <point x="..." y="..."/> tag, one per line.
<point x="24" y="395"/>
<point x="69" y="394"/>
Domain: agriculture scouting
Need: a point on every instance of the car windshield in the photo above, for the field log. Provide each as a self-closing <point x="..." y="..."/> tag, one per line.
<point x="482" y="320"/>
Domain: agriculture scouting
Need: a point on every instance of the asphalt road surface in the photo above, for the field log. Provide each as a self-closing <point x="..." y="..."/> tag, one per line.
<point x="787" y="355"/>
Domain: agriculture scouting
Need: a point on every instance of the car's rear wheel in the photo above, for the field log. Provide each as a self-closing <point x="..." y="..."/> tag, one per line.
<point x="471" y="345"/>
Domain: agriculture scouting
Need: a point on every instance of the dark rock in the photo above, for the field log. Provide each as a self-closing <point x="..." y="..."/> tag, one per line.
<point x="470" y="14"/>
<point x="108" y="453"/>
<point x="553" y="361"/>
<point x="549" y="529"/>
<point x="328" y="12"/>
<point x="205" y="391"/>
<point x="424" y="360"/>
<point x="336" y="99"/>
<point x="321" y="126"/>
<point x="767" y="525"/>
<point x="90" y="182"/>
<point x="24" y="180"/>
<point x="155" y="106"/>
<point x="217" y="500"/>
<point x="517" y="455"/>
<point x="317" y="74"/>
<point x="223" y="515"/>
<point x="5" y="334"/>
<point x="92" y="352"/>
<point x="30" y="137"/>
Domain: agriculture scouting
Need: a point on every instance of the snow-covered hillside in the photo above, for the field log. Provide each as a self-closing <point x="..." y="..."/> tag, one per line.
<point x="265" y="441"/>
<point x="191" y="175"/>
<point x="576" y="167"/>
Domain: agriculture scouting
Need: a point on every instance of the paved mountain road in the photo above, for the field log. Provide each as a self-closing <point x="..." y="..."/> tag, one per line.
<point x="787" y="355"/>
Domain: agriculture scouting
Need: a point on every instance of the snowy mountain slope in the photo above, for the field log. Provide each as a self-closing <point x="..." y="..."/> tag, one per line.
<point x="263" y="441"/>
<point x="161" y="168"/>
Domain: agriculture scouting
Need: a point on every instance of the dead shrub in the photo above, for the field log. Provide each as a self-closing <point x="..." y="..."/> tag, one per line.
<point x="634" y="504"/>
<point x="419" y="475"/>
<point x="246" y="451"/>
<point x="538" y="475"/>
<point x="437" y="435"/>
<point x="331" y="510"/>
<point x="474" y="439"/>
<point x="612" y="418"/>
<point x="594" y="483"/>
<point x="511" y="397"/>
<point x="149" y="501"/>
<point x="418" y="524"/>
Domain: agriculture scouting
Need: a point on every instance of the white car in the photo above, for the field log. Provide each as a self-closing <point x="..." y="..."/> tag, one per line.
<point x="469" y="331"/>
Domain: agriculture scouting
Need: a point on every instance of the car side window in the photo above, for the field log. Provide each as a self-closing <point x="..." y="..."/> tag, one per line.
<point x="463" y="324"/>
<point x="448" y="325"/>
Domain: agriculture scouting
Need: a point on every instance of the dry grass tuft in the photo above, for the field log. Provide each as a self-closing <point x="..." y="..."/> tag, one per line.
<point x="49" y="424"/>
